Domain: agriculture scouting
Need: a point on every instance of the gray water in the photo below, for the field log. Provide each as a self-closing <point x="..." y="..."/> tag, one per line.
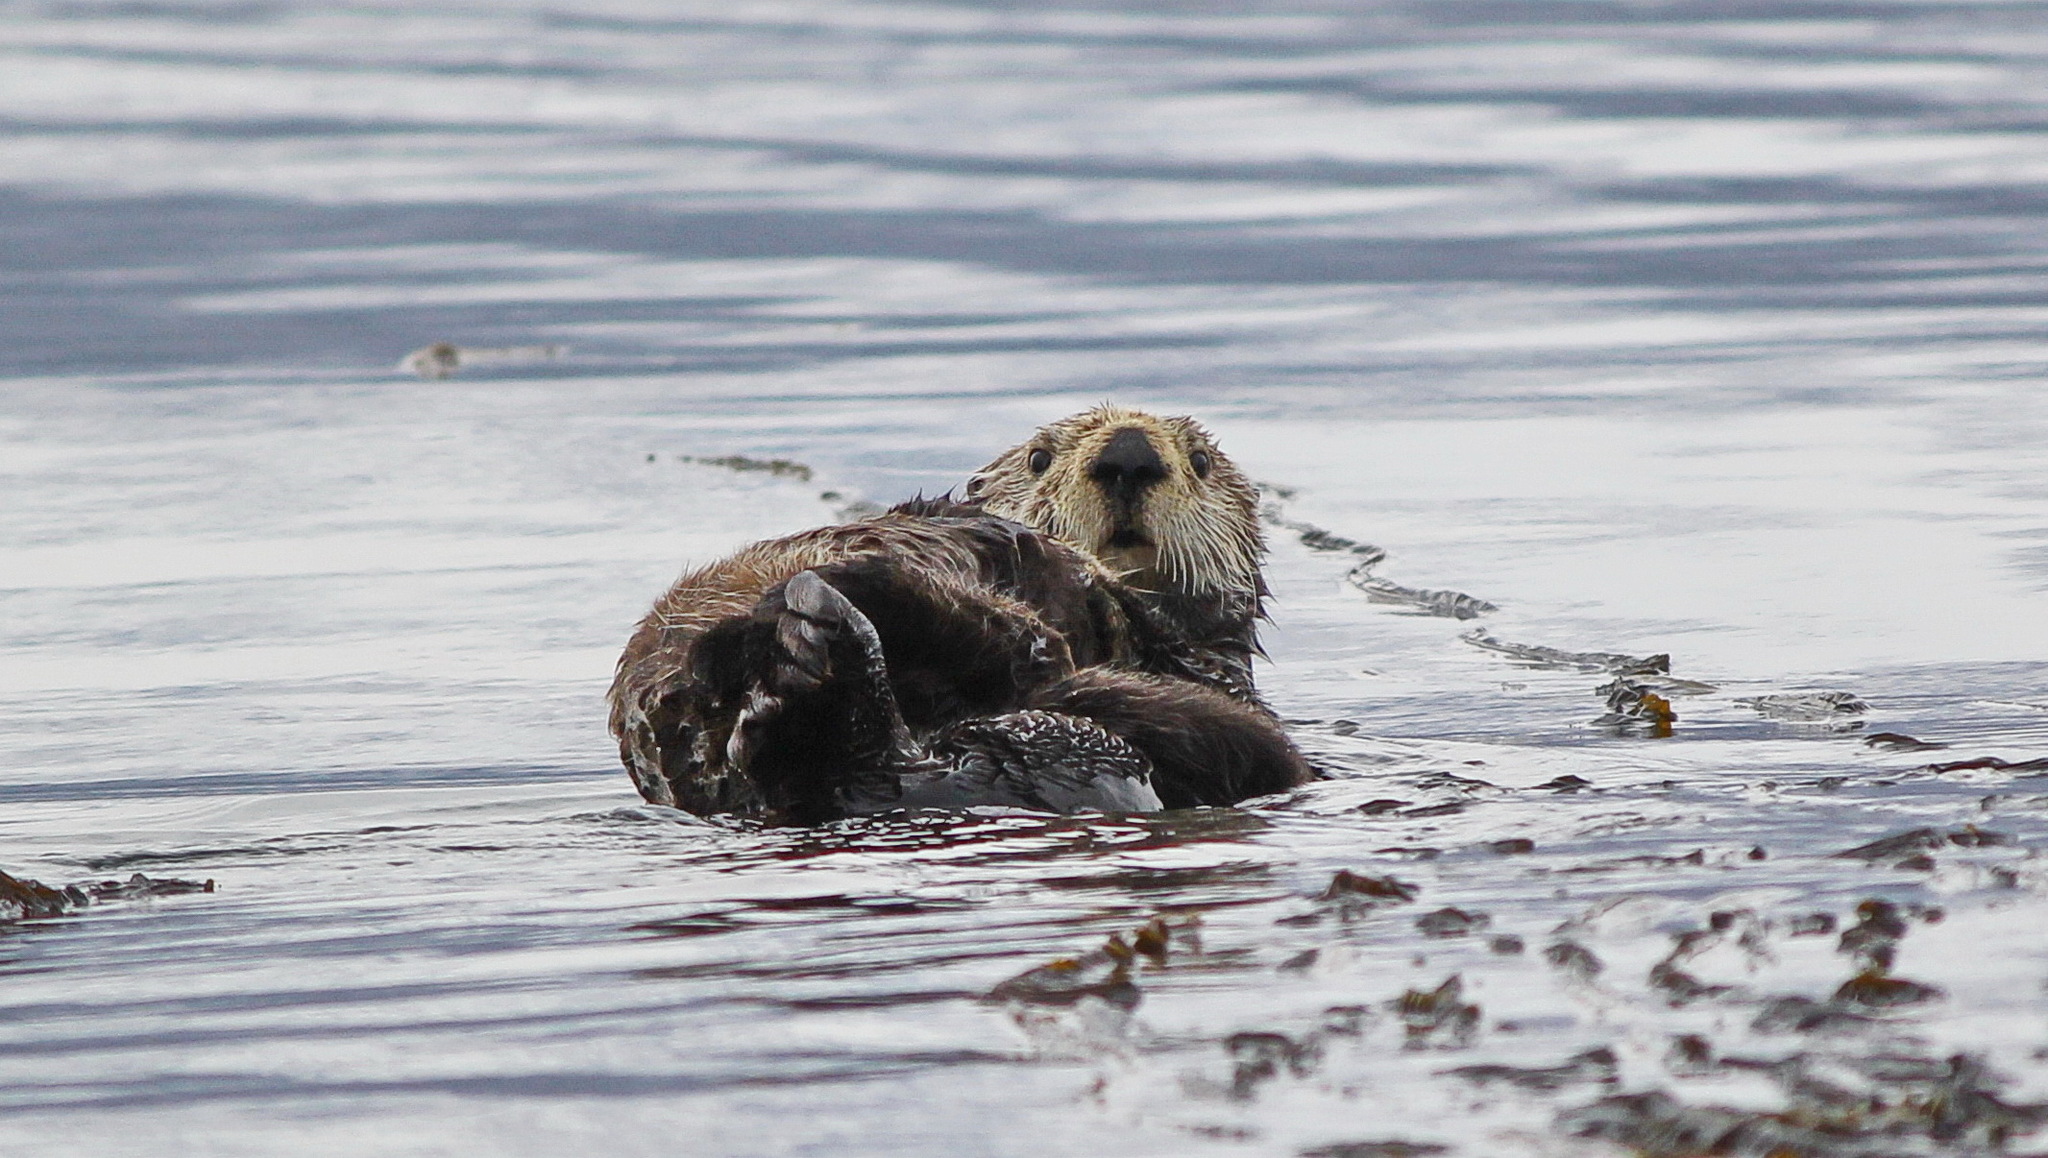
<point x="1708" y="329"/>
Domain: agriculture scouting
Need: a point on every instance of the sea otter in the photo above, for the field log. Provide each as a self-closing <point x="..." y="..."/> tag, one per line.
<point x="1075" y="633"/>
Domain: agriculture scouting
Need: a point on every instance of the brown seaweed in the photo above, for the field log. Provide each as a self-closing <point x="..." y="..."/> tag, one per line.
<point x="1448" y="922"/>
<point x="22" y="899"/>
<point x="1103" y="973"/>
<point x="1354" y="889"/>
<point x="1992" y="764"/>
<point x="1806" y="706"/>
<point x="1906" y="1100"/>
<point x="1438" y="1018"/>
<point x="1899" y="742"/>
<point x="1419" y="600"/>
<point x="1631" y="705"/>
<point x="1534" y="655"/>
<point x="1597" y="1066"/>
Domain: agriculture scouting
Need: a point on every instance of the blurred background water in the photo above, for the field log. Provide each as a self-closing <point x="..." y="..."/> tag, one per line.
<point x="1713" y="329"/>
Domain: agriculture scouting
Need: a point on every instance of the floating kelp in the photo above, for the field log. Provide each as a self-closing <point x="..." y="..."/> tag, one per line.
<point x="1313" y="537"/>
<point x="1680" y="987"/>
<point x="22" y="899"/>
<point x="1259" y="1057"/>
<point x="1317" y="539"/>
<point x="1636" y="697"/>
<point x="1394" y="1149"/>
<point x="1597" y="1066"/>
<point x="778" y="467"/>
<point x="1811" y="925"/>
<point x="1800" y="1014"/>
<point x="1657" y="1125"/>
<point x="1451" y="922"/>
<point x="1879" y="1106"/>
<point x="1925" y="840"/>
<point x="1899" y="742"/>
<point x="1103" y="972"/>
<point x="1898" y="844"/>
<point x="1807" y="706"/>
<point x="1631" y="705"/>
<point x="1694" y="859"/>
<point x="1873" y="989"/>
<point x="1992" y="764"/>
<point x="1873" y="940"/>
<point x="1354" y="889"/>
<point x="1534" y="655"/>
<point x="1573" y="960"/>
<point x="1419" y="600"/>
<point x="1438" y="1018"/>
<point x="137" y="886"/>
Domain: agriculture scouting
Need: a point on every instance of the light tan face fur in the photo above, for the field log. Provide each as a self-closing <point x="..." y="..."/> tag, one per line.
<point x="1194" y="531"/>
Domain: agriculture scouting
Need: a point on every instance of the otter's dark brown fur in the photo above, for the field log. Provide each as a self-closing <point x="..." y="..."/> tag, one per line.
<point x="941" y="654"/>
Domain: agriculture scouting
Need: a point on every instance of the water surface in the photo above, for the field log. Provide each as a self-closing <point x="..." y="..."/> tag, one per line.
<point x="1712" y="330"/>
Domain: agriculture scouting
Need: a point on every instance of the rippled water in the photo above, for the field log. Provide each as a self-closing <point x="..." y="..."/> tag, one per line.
<point x="1708" y="329"/>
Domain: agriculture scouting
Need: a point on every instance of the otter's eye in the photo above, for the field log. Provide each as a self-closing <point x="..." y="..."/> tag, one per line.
<point x="1039" y="461"/>
<point x="1200" y="461"/>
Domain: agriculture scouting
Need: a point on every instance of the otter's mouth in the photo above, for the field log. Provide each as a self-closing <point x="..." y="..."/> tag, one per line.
<point x="1127" y="538"/>
<point x="1131" y="551"/>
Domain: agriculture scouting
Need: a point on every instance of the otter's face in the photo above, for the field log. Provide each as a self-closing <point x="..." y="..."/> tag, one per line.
<point x="1148" y="496"/>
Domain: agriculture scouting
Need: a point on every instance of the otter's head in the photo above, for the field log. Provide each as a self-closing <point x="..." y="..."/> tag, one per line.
<point x="1151" y="497"/>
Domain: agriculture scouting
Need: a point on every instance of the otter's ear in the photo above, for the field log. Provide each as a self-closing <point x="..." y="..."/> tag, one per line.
<point x="973" y="488"/>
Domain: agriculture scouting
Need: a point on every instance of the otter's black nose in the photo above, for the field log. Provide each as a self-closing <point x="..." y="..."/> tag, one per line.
<point x="1128" y="464"/>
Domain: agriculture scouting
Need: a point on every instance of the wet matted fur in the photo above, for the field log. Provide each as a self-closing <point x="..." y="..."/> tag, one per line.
<point x="942" y="654"/>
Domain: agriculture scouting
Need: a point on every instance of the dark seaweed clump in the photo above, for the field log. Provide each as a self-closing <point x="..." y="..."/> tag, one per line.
<point x="22" y="899"/>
